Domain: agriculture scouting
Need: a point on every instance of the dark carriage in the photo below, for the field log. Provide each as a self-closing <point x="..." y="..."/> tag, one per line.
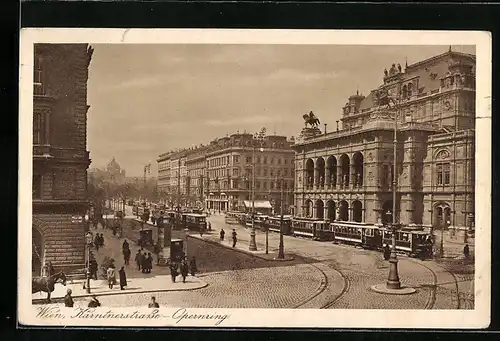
<point x="177" y="250"/>
<point x="146" y="237"/>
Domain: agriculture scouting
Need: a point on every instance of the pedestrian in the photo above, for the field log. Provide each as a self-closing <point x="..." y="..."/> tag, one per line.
<point x="123" y="278"/>
<point x="150" y="262"/>
<point x="222" y="233"/>
<point x="138" y="258"/>
<point x="93" y="267"/>
<point x="68" y="300"/>
<point x="234" y="238"/>
<point x="101" y="238"/>
<point x="111" y="273"/>
<point x="193" y="267"/>
<point x="94" y="302"/>
<point x="126" y="256"/>
<point x="94" y="223"/>
<point x="466" y="251"/>
<point x="184" y="269"/>
<point x="125" y="245"/>
<point x="97" y="242"/>
<point x="387" y="252"/>
<point x="201" y="231"/>
<point x="209" y="226"/>
<point x="143" y="263"/>
<point x="173" y="271"/>
<point x="156" y="250"/>
<point x="153" y="303"/>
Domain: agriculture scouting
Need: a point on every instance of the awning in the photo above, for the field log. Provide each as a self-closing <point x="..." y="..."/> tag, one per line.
<point x="258" y="204"/>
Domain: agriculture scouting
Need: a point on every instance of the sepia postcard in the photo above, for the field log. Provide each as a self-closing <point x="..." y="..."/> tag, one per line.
<point x="254" y="178"/>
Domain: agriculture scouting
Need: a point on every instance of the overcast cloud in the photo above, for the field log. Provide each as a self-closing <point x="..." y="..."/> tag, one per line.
<point x="147" y="99"/>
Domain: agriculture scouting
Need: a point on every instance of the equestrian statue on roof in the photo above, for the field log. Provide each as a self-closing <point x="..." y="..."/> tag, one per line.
<point x="311" y="119"/>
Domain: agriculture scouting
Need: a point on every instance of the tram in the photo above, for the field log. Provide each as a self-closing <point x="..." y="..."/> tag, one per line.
<point x="274" y="224"/>
<point x="194" y="221"/>
<point x="305" y="227"/>
<point x="412" y="243"/>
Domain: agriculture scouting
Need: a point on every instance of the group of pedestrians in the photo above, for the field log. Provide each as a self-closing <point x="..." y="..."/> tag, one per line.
<point x="233" y="235"/>
<point x="144" y="261"/>
<point x="98" y="241"/>
<point x="184" y="268"/>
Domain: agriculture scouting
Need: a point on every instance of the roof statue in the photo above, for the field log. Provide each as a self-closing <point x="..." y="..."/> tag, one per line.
<point x="311" y="119"/>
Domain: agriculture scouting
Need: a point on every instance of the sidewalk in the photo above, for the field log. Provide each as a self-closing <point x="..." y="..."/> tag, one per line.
<point x="156" y="281"/>
<point x="243" y="238"/>
<point x="134" y="286"/>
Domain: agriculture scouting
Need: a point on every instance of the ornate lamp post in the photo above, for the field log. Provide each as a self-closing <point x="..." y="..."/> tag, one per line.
<point x="281" y="251"/>
<point x="89" y="237"/>
<point x="257" y="137"/>
<point x="186" y="232"/>
<point x="393" y="284"/>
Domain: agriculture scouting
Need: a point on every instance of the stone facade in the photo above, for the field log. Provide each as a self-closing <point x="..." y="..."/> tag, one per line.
<point x="60" y="158"/>
<point x="218" y="175"/>
<point x="347" y="174"/>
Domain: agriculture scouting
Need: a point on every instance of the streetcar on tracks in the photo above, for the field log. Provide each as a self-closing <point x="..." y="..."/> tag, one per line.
<point x="307" y="227"/>
<point x="274" y="224"/>
<point x="192" y="221"/>
<point x="414" y="243"/>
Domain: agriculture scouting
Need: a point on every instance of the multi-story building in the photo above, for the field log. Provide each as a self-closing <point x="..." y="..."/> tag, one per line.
<point x="196" y="169"/>
<point x="60" y="156"/>
<point x="219" y="175"/>
<point x="347" y="174"/>
<point x="229" y="172"/>
<point x="164" y="169"/>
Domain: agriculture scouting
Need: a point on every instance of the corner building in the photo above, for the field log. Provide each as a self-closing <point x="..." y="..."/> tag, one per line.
<point x="347" y="174"/>
<point x="229" y="169"/>
<point x="60" y="156"/>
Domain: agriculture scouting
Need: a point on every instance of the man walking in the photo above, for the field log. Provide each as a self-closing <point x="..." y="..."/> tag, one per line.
<point x="193" y="267"/>
<point x="138" y="256"/>
<point x="222" y="233"/>
<point x="173" y="271"/>
<point x="234" y="238"/>
<point x="184" y="269"/>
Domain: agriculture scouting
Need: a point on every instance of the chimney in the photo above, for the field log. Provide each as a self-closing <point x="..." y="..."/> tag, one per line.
<point x="337" y="125"/>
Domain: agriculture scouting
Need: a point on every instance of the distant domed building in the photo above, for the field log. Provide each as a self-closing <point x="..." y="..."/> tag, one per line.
<point x="114" y="170"/>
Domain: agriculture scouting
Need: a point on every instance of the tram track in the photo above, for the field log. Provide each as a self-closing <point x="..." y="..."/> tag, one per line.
<point x="323" y="287"/>
<point x="432" y="298"/>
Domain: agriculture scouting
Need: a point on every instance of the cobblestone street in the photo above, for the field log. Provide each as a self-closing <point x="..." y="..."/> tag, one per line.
<point x="321" y="275"/>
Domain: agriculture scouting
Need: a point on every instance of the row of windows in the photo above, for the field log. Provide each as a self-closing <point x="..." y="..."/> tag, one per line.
<point x="235" y="184"/>
<point x="220" y="161"/>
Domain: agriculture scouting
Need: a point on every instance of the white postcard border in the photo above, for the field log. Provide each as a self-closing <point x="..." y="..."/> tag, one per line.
<point x="477" y="318"/>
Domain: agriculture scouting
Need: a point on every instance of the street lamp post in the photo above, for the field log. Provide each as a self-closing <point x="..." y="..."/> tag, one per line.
<point x="281" y="251"/>
<point x="253" y="245"/>
<point x="89" y="237"/>
<point x="186" y="231"/>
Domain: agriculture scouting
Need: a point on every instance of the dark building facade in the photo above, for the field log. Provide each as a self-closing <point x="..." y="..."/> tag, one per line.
<point x="347" y="174"/>
<point x="60" y="156"/>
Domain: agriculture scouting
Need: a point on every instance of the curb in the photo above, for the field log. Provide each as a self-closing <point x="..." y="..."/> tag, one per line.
<point x="120" y="292"/>
<point x="287" y="258"/>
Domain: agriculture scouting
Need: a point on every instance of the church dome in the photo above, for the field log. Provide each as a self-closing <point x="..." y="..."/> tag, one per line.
<point x="113" y="166"/>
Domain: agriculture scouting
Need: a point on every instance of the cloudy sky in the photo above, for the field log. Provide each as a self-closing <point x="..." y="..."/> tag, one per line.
<point x="147" y="99"/>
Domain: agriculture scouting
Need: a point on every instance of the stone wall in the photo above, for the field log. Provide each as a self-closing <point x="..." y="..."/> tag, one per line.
<point x="63" y="240"/>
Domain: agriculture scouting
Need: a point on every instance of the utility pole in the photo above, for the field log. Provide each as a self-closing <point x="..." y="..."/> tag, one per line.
<point x="281" y="251"/>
